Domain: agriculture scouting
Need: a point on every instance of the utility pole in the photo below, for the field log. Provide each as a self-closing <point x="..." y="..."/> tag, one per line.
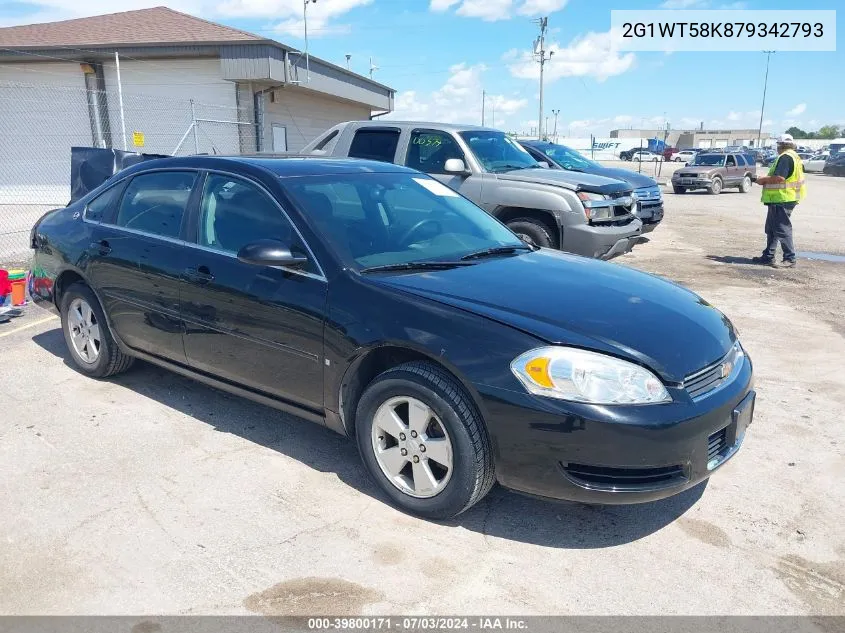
<point x="554" y="134"/>
<point x="372" y="68"/>
<point x="483" y="104"/>
<point x="305" y="23"/>
<point x="348" y="57"/>
<point x="540" y="56"/>
<point x="763" y="107"/>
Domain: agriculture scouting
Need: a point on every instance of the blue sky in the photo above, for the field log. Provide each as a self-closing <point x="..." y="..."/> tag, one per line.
<point x="441" y="54"/>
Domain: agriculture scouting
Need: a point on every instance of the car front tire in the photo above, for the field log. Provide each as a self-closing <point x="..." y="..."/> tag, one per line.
<point x="423" y="441"/>
<point x="87" y="335"/>
<point x="716" y="188"/>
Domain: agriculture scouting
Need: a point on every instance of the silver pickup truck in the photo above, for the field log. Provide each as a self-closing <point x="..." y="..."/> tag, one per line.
<point x="579" y="213"/>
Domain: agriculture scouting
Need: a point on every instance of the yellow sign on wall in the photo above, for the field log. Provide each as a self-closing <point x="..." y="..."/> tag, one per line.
<point x="138" y="139"/>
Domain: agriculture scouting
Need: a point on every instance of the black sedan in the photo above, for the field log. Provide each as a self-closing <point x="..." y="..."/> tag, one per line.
<point x="374" y="300"/>
<point x="649" y="193"/>
<point x="835" y="165"/>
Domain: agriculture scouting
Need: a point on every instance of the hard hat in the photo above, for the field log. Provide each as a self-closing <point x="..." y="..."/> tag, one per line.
<point x="785" y="138"/>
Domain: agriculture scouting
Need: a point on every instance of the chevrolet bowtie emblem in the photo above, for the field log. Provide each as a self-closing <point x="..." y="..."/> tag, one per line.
<point x="726" y="369"/>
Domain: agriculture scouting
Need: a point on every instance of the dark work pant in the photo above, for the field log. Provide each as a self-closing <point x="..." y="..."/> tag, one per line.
<point x="779" y="229"/>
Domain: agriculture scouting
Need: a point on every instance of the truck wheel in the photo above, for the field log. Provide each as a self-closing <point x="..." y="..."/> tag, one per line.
<point x="532" y="231"/>
<point x="424" y="442"/>
<point x="679" y="189"/>
<point x="716" y="188"/>
<point x="745" y="186"/>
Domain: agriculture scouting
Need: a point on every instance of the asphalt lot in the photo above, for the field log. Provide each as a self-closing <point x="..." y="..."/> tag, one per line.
<point x="152" y="494"/>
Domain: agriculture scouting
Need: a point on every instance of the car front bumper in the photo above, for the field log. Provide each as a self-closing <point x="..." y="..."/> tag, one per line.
<point x="650" y="215"/>
<point x="616" y="454"/>
<point x="692" y="183"/>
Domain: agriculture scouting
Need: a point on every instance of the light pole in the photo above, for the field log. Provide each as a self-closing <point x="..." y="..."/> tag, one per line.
<point x="348" y="57"/>
<point x="305" y="23"/>
<point x="763" y="107"/>
<point x="540" y="54"/>
<point x="554" y="134"/>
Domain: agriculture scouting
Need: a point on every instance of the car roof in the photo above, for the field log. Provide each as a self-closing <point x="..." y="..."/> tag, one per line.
<point x="284" y="166"/>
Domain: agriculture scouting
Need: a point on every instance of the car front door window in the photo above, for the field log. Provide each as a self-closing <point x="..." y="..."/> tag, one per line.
<point x="155" y="202"/>
<point x="429" y="150"/>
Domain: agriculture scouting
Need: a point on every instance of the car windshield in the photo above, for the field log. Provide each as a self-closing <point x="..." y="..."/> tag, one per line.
<point x="567" y="158"/>
<point x="497" y="152"/>
<point x="385" y="219"/>
<point x="711" y="160"/>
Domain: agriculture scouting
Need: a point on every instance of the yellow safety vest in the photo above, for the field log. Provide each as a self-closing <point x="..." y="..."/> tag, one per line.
<point x="793" y="190"/>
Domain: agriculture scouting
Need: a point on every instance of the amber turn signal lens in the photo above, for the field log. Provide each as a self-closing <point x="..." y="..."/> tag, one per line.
<point x="538" y="370"/>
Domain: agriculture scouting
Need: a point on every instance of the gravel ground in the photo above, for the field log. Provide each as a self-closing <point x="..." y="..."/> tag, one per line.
<point x="151" y="494"/>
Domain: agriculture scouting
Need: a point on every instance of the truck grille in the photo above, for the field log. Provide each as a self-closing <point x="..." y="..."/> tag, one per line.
<point x="631" y="479"/>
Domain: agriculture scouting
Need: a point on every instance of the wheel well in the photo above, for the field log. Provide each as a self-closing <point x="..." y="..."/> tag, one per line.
<point x="366" y="369"/>
<point x="508" y="214"/>
<point x="63" y="282"/>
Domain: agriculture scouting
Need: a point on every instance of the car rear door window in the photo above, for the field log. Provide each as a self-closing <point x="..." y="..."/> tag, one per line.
<point x="429" y="150"/>
<point x="375" y="144"/>
<point x="155" y="203"/>
<point x="98" y="209"/>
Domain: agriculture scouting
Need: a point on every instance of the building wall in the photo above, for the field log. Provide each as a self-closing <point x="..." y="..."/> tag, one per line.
<point x="157" y="99"/>
<point x="306" y="115"/>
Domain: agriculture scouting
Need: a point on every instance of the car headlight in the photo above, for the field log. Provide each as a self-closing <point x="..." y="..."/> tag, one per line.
<point x="595" y="205"/>
<point x="574" y="374"/>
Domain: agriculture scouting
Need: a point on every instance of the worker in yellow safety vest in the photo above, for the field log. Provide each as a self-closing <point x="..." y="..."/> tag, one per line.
<point x="783" y="188"/>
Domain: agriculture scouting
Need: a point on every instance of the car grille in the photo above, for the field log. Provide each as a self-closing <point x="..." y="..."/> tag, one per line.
<point x="716" y="443"/>
<point x="620" y="210"/>
<point x="714" y="376"/>
<point x="687" y="175"/>
<point x="631" y="479"/>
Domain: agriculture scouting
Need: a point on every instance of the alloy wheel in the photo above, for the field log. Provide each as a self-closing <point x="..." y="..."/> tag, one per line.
<point x="84" y="331"/>
<point x="412" y="447"/>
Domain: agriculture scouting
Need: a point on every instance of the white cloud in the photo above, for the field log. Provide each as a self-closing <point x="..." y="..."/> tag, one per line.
<point x="493" y="10"/>
<point x="442" y="5"/>
<point x="589" y="55"/>
<point x="541" y="7"/>
<point x="488" y="10"/>
<point x="734" y="116"/>
<point x="767" y="122"/>
<point x="801" y="108"/>
<point x="684" y="4"/>
<point x="457" y="101"/>
<point x="289" y="14"/>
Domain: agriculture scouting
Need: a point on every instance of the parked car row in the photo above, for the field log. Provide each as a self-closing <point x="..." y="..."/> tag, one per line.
<point x="579" y="212"/>
<point x="371" y="298"/>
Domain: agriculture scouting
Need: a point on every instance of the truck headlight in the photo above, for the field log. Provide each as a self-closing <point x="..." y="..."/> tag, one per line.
<point x="596" y="206"/>
<point x="568" y="373"/>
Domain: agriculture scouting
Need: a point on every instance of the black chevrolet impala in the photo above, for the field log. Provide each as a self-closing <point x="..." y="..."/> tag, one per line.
<point x="374" y="300"/>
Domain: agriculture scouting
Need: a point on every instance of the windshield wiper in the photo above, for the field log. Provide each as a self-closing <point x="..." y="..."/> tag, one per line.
<point x="496" y="250"/>
<point x="415" y="266"/>
<point x="515" y="167"/>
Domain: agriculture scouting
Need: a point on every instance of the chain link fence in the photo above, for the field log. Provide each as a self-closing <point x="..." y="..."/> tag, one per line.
<point x="39" y="125"/>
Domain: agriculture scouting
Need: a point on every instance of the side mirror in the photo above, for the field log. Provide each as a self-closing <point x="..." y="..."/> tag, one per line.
<point x="456" y="166"/>
<point x="270" y="253"/>
<point x="686" y="164"/>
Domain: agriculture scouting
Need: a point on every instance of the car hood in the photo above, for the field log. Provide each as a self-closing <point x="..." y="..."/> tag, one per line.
<point x="637" y="181"/>
<point x="576" y="181"/>
<point x="571" y="300"/>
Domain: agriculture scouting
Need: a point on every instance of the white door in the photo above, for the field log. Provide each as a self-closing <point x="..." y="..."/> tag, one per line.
<point x="280" y="138"/>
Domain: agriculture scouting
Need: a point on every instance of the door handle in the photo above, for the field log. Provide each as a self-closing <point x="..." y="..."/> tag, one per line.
<point x="201" y="275"/>
<point x="99" y="248"/>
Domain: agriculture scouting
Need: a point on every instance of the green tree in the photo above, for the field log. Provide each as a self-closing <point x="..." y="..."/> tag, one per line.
<point x="828" y="131"/>
<point x="796" y="132"/>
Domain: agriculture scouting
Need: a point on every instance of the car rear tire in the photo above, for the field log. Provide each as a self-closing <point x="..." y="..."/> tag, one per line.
<point x="679" y="190"/>
<point x="423" y="441"/>
<point x="89" y="340"/>
<point x="532" y="231"/>
<point x="745" y="186"/>
<point x="716" y="188"/>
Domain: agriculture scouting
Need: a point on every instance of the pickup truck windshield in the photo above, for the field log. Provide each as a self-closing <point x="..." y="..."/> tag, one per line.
<point x="387" y="219"/>
<point x="710" y="160"/>
<point x="497" y="152"/>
